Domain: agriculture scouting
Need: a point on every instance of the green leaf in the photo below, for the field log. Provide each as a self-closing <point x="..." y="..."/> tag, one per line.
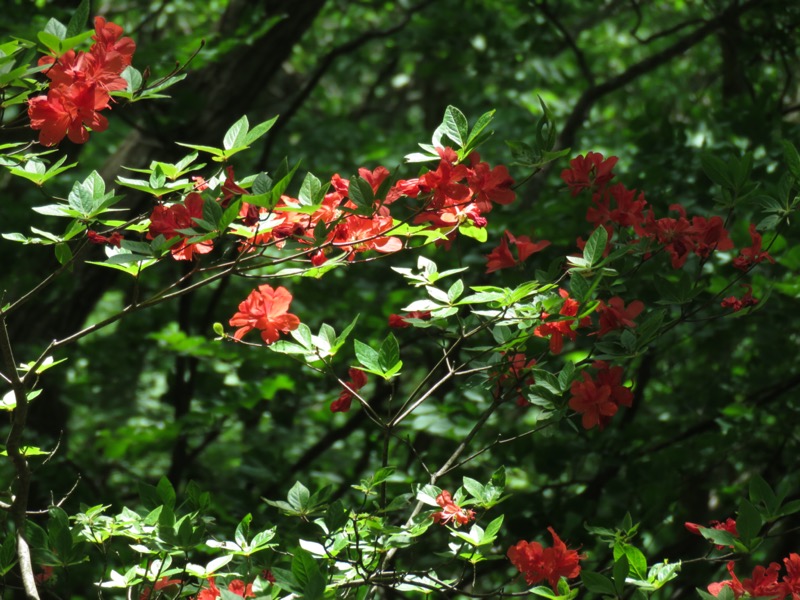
<point x="298" y="496"/>
<point x="455" y="125"/>
<point x="621" y="569"/>
<point x="597" y="583"/>
<point x="166" y="492"/>
<point x="389" y="355"/>
<point x="716" y="169"/>
<point x="56" y="28"/>
<point x="79" y="19"/>
<point x="259" y="130"/>
<point x="792" y="158"/>
<point x="593" y="251"/>
<point x="748" y="521"/>
<point x="236" y="134"/>
<point x="367" y="357"/>
<point x="761" y="492"/>
<point x="637" y="562"/>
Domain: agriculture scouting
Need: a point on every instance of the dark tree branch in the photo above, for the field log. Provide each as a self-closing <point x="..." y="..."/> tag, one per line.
<point x="586" y="71"/>
<point x="322" y="68"/>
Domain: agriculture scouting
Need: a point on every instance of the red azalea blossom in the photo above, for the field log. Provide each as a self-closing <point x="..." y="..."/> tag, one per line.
<point x="265" y="309"/>
<point x="237" y="586"/>
<point x="169" y="220"/>
<point x="614" y="314"/>
<point x="267" y="574"/>
<point x="399" y="321"/>
<point x="501" y="257"/>
<point x="597" y="400"/>
<point x="589" y="171"/>
<point x="45" y="575"/>
<point x="752" y="255"/>
<point x="517" y="372"/>
<point x="728" y="525"/>
<point x="558" y="330"/>
<point x="358" y="379"/>
<point x="737" y="304"/>
<point x="763" y="583"/>
<point x="451" y="512"/>
<point x="791" y="581"/>
<point x="80" y="86"/>
<point x="115" y="239"/>
<point x="551" y="564"/>
<point x="161" y="584"/>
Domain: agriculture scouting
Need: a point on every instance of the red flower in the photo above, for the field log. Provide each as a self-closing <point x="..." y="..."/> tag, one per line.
<point x="752" y="255"/>
<point x="451" y="512"/>
<point x="170" y="220"/>
<point x="68" y="110"/>
<point x="738" y="304"/>
<point x="490" y="185"/>
<point x="589" y="171"/>
<point x="161" y="584"/>
<point x="358" y="379"/>
<point x="710" y="235"/>
<point x="501" y="257"/>
<point x="614" y="315"/>
<point x="265" y="309"/>
<point x="45" y="575"/>
<point x="557" y="330"/>
<point x="791" y="581"/>
<point x="540" y="564"/>
<point x="238" y="587"/>
<point x="209" y="593"/>
<point x="399" y="321"/>
<point x="728" y="525"/>
<point x="518" y="369"/>
<point x="599" y="399"/>
<point x="115" y="239"/>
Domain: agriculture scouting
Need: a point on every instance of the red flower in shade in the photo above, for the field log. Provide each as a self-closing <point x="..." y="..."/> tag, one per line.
<point x="161" y="584"/>
<point x="374" y="178"/>
<point x="589" y="171"/>
<point x="599" y="399"/>
<point x="752" y="255"/>
<point x="550" y="564"/>
<point x="230" y="188"/>
<point x="738" y="304"/>
<point x="501" y="257"/>
<point x="265" y="309"/>
<point x="399" y="321"/>
<point x="115" y="239"/>
<point x="558" y="330"/>
<point x="517" y="372"/>
<point x="728" y="525"/>
<point x="710" y="235"/>
<point x="791" y="581"/>
<point x="358" y="379"/>
<point x="45" y="575"/>
<point x="614" y="315"/>
<point x="170" y="220"/>
<point x="451" y="512"/>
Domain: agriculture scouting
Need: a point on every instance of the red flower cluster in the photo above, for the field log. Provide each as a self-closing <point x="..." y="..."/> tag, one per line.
<point x="728" y="525"/>
<point x="614" y="314"/>
<point x="237" y="586"/>
<point x="545" y="564"/>
<point x="451" y="512"/>
<point x="764" y="581"/>
<point x="737" y="304"/>
<point x="599" y="399"/>
<point x="358" y="379"/>
<point x="752" y="255"/>
<point x="265" y="309"/>
<point x="80" y="86"/>
<point x="399" y="321"/>
<point x="558" y="330"/>
<point x="516" y="374"/>
<point x="501" y="257"/>
<point x="617" y="205"/>
<point x="171" y="220"/>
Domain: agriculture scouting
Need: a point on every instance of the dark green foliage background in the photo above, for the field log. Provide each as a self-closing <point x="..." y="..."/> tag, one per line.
<point x="361" y="82"/>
